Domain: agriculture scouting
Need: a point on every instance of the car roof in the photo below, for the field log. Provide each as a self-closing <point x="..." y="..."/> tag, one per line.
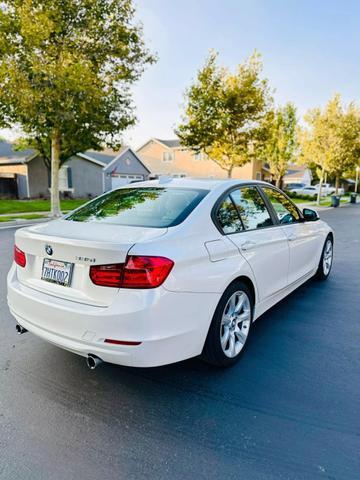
<point x="199" y="183"/>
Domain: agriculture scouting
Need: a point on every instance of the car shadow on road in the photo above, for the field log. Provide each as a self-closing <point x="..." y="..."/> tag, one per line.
<point x="267" y="351"/>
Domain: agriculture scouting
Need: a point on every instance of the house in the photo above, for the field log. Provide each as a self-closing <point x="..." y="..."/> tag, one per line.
<point x="298" y="174"/>
<point x="24" y="174"/>
<point x="168" y="157"/>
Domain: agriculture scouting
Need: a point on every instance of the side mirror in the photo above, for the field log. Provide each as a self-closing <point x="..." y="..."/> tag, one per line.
<point x="310" y="215"/>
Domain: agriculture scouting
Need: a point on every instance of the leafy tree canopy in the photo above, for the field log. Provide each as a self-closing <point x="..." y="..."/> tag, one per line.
<point x="65" y="71"/>
<point x="331" y="139"/>
<point x="280" y="147"/>
<point x="225" y="112"/>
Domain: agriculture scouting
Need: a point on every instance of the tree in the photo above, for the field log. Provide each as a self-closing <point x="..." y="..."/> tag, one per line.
<point x="281" y="143"/>
<point x="348" y="155"/>
<point x="331" y="139"/>
<point x="319" y="142"/>
<point x="225" y="112"/>
<point x="65" y="73"/>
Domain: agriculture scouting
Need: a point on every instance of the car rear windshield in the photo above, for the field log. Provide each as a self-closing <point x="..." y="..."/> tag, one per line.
<point x="141" y="207"/>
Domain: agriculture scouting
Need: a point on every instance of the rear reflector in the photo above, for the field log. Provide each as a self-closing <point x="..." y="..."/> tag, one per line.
<point x="121" y="342"/>
<point x="137" y="272"/>
<point x="19" y="257"/>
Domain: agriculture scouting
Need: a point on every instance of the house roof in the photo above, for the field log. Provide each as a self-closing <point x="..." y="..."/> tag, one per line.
<point x="104" y="156"/>
<point x="120" y="154"/>
<point x="296" y="171"/>
<point x="174" y="143"/>
<point x="10" y="156"/>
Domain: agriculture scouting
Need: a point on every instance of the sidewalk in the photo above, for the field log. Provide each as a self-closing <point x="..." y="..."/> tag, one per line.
<point x="321" y="207"/>
<point x="23" y="213"/>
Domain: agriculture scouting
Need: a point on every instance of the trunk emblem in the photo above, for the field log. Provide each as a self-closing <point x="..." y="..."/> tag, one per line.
<point x="49" y="250"/>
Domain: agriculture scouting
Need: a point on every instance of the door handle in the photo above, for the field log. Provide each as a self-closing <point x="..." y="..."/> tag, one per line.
<point x="247" y="245"/>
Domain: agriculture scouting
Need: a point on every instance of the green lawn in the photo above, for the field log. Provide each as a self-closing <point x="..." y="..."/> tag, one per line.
<point x="299" y="200"/>
<point x="324" y="202"/>
<point x="20" y="206"/>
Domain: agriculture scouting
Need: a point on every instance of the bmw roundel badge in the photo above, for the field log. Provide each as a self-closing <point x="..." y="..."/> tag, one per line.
<point x="48" y="250"/>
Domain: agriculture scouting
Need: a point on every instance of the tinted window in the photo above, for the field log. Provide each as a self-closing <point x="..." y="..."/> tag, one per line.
<point x="285" y="210"/>
<point x="228" y="217"/>
<point x="145" y="207"/>
<point x="252" y="208"/>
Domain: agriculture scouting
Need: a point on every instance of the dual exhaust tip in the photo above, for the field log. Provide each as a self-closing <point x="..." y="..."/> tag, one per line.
<point x="92" y="361"/>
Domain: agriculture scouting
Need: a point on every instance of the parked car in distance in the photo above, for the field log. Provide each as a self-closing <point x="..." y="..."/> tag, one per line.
<point x="328" y="189"/>
<point x="160" y="271"/>
<point x="291" y="186"/>
<point x="310" y="191"/>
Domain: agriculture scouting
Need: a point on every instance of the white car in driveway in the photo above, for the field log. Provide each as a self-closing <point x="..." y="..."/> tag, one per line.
<point x="328" y="189"/>
<point x="311" y="191"/>
<point x="160" y="271"/>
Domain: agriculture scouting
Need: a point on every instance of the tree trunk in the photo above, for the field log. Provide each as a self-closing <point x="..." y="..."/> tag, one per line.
<point x="337" y="181"/>
<point x="279" y="182"/>
<point x="321" y="181"/>
<point x="229" y="172"/>
<point x="55" y="166"/>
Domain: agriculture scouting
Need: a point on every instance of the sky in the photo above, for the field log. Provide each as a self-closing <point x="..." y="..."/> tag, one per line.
<point x="310" y="51"/>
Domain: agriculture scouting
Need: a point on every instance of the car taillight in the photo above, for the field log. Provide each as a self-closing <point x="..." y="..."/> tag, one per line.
<point x="107" y="275"/>
<point x="146" y="272"/>
<point x="137" y="272"/>
<point x="19" y="257"/>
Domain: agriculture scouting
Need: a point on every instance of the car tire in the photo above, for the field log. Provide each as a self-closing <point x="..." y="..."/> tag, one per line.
<point x="326" y="260"/>
<point x="230" y="327"/>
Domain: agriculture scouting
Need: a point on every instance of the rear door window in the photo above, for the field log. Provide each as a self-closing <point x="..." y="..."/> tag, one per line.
<point x="228" y="217"/>
<point x="252" y="208"/>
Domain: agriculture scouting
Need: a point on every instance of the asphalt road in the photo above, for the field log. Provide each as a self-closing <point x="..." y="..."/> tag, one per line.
<point x="288" y="410"/>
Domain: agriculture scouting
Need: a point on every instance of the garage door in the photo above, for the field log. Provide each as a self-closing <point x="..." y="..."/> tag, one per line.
<point x="119" y="180"/>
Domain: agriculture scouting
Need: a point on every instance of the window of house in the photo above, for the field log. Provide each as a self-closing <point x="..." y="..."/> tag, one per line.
<point x="258" y="176"/>
<point x="198" y="156"/>
<point x="168" y="156"/>
<point x="285" y="210"/>
<point x="253" y="211"/>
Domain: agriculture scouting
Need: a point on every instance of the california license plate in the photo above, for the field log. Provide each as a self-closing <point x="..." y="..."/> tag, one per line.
<point x="58" y="272"/>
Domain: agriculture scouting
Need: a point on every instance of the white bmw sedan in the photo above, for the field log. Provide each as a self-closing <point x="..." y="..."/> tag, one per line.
<point x="161" y="271"/>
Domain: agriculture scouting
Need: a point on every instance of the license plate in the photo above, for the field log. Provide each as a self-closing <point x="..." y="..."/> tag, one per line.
<point x="58" y="272"/>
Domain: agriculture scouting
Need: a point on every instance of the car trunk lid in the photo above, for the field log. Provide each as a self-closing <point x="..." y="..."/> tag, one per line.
<point x="81" y="244"/>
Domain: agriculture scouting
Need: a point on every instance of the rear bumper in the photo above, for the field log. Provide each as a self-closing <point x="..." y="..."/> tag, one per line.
<point x="170" y="326"/>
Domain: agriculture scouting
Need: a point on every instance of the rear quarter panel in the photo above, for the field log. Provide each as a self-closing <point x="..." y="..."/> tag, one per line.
<point x="197" y="267"/>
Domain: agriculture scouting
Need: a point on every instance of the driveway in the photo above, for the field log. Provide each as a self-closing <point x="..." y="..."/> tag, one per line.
<point x="289" y="410"/>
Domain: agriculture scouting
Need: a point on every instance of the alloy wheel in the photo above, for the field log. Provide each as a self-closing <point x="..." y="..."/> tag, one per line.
<point x="235" y="324"/>
<point x="327" y="257"/>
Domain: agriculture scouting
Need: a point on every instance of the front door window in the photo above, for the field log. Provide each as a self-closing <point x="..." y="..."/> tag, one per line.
<point x="285" y="210"/>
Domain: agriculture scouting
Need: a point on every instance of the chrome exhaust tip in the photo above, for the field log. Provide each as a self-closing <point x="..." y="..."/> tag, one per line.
<point x="20" y="330"/>
<point x="92" y="361"/>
